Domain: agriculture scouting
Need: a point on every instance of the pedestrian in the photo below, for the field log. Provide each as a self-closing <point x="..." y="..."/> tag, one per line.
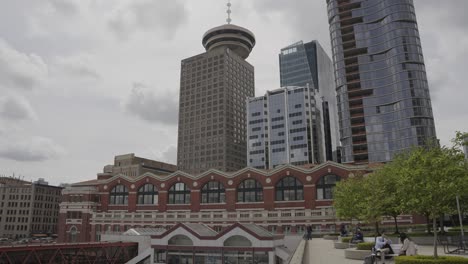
<point x="309" y="232"/>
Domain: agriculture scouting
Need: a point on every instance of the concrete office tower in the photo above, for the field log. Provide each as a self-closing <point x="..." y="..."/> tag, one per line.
<point x="383" y="98"/>
<point x="284" y="127"/>
<point x="133" y="166"/>
<point x="213" y="89"/>
<point x="303" y="64"/>
<point x="28" y="209"/>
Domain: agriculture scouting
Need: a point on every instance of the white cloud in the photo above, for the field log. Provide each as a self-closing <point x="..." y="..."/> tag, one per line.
<point x="16" y="108"/>
<point x="66" y="7"/>
<point x="158" y="108"/>
<point x="168" y="155"/>
<point x="19" y="70"/>
<point x="26" y="149"/>
<point x="148" y="16"/>
<point x="80" y="66"/>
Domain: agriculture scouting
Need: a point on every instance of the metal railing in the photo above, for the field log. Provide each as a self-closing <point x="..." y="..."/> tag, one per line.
<point x="220" y="216"/>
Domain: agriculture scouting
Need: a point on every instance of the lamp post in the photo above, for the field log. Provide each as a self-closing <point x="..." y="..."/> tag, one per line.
<point x="460" y="218"/>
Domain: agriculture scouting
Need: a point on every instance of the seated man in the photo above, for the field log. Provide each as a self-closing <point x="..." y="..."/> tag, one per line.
<point x="358" y="237"/>
<point x="382" y="246"/>
<point x="343" y="231"/>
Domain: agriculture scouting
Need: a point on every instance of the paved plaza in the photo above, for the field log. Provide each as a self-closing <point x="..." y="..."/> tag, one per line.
<point x="321" y="251"/>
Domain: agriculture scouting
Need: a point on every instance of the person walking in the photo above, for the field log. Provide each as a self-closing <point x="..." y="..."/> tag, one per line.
<point x="309" y="232"/>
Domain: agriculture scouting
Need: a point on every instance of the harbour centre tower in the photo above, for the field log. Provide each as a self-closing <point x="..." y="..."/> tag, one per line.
<point x="383" y="98"/>
<point x="214" y="86"/>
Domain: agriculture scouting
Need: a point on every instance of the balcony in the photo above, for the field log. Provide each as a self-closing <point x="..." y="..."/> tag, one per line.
<point x="360" y="152"/>
<point x="359" y="143"/>
<point x="213" y="216"/>
<point x="358" y="125"/>
<point x="354" y="52"/>
<point x="355" y="107"/>
<point x="351" y="21"/>
<point x="73" y="221"/>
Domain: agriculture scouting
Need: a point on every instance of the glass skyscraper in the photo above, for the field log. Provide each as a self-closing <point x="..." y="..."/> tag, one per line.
<point x="383" y="98"/>
<point x="307" y="64"/>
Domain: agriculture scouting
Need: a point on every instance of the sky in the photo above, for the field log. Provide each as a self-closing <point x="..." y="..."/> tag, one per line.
<point x="84" y="80"/>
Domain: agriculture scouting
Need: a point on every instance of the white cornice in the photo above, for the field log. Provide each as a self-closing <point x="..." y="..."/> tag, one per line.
<point x="266" y="173"/>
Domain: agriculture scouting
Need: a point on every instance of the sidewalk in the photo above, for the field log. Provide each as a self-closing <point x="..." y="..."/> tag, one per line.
<point x="320" y="251"/>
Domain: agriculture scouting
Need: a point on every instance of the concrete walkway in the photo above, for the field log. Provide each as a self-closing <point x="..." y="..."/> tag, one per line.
<point x="320" y="251"/>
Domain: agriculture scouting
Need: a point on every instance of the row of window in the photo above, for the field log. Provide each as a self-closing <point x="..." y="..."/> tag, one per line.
<point x="249" y="190"/>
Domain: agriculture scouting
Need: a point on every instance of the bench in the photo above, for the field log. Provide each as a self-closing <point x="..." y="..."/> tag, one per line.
<point x="396" y="251"/>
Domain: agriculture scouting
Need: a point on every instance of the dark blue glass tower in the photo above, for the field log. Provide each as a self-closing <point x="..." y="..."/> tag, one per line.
<point x="383" y="98"/>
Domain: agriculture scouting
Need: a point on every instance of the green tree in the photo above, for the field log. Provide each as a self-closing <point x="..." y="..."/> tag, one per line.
<point x="348" y="198"/>
<point x="430" y="177"/>
<point x="353" y="199"/>
<point x="386" y="194"/>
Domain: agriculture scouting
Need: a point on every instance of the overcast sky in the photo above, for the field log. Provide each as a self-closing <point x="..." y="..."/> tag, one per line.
<point x="84" y="80"/>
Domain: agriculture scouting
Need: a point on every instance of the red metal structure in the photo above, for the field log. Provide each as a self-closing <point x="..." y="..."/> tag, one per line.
<point x="86" y="253"/>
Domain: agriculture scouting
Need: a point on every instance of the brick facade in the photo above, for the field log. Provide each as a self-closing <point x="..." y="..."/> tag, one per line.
<point x="98" y="215"/>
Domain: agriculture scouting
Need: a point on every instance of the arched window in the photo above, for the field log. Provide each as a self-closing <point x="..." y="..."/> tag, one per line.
<point x="73" y="234"/>
<point x="147" y="194"/>
<point x="213" y="192"/>
<point x="289" y="189"/>
<point x="179" y="194"/>
<point x="250" y="190"/>
<point x="237" y="241"/>
<point x="180" y="240"/>
<point x="119" y="195"/>
<point x="325" y="186"/>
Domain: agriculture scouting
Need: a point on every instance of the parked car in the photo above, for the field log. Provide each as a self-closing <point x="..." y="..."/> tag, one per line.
<point x="24" y="241"/>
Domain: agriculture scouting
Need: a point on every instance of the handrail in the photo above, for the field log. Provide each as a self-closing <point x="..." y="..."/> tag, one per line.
<point x="298" y="255"/>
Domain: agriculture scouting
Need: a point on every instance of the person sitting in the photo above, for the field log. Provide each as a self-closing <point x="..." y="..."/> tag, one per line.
<point x="408" y="248"/>
<point x="358" y="236"/>
<point x="382" y="246"/>
<point x="343" y="231"/>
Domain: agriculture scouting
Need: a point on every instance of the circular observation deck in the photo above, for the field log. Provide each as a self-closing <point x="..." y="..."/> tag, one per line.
<point x="237" y="39"/>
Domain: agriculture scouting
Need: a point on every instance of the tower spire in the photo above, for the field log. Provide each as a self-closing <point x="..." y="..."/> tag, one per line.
<point x="228" y="20"/>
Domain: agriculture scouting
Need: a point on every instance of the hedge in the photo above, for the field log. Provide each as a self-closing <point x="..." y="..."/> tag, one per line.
<point x="345" y="239"/>
<point x="430" y="260"/>
<point x="365" y="246"/>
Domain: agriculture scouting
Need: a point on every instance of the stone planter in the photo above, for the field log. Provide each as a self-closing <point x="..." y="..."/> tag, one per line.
<point x="330" y="237"/>
<point x="353" y="253"/>
<point x="341" y="245"/>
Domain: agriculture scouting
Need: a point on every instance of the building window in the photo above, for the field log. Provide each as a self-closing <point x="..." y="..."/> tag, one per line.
<point x="289" y="189"/>
<point x="73" y="234"/>
<point x="325" y="186"/>
<point x="147" y="194"/>
<point x="119" y="195"/>
<point x="250" y="190"/>
<point x="213" y="192"/>
<point x="179" y="194"/>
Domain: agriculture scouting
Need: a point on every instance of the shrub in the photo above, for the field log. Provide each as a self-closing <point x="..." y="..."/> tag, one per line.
<point x="430" y="260"/>
<point x="458" y="229"/>
<point x="345" y="239"/>
<point x="365" y="246"/>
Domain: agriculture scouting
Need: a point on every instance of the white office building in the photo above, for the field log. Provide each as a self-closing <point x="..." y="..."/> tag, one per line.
<point x="284" y="127"/>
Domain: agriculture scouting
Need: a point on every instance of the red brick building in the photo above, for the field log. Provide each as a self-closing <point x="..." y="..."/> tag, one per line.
<point x="283" y="200"/>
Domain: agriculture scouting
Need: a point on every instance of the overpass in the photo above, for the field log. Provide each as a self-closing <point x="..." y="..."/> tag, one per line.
<point x="86" y="253"/>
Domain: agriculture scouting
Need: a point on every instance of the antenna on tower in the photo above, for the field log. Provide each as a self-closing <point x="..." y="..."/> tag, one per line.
<point x="228" y="20"/>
